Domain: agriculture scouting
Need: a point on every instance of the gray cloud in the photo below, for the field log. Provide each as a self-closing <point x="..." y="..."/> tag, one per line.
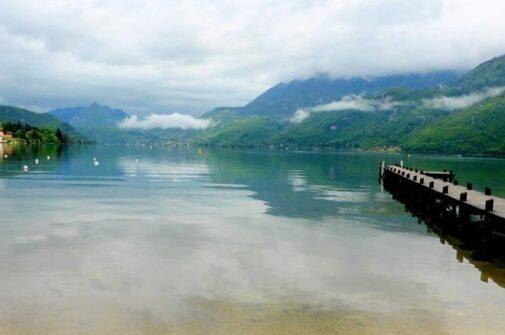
<point x="191" y="56"/>
<point x="164" y="121"/>
<point x="463" y="101"/>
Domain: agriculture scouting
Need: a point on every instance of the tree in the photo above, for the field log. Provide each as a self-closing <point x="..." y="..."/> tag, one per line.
<point x="20" y="133"/>
<point x="63" y="138"/>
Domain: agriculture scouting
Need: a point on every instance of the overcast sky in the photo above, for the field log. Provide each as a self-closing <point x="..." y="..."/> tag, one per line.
<point x="165" y="56"/>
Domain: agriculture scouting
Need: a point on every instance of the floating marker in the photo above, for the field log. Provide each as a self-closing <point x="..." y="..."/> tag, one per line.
<point x="96" y="163"/>
<point x="25" y="168"/>
<point x="36" y="161"/>
<point x="48" y="157"/>
<point x="136" y="160"/>
<point x="5" y="156"/>
<point x="94" y="158"/>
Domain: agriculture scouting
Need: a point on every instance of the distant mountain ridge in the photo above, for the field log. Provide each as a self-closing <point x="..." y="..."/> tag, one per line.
<point x="397" y="112"/>
<point x="283" y="99"/>
<point x="488" y="74"/>
<point x="415" y="116"/>
<point x="94" y="115"/>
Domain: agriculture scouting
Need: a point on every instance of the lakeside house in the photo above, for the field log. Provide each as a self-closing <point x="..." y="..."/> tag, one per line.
<point x="5" y="136"/>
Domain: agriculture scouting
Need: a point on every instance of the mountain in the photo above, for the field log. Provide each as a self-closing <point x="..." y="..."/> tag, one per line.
<point x="46" y="120"/>
<point x="431" y="113"/>
<point x="94" y="115"/>
<point x="96" y="122"/>
<point x="283" y="99"/>
<point x="222" y="113"/>
<point x="487" y="74"/>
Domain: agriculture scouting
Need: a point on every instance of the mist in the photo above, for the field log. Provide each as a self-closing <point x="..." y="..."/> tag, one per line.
<point x="164" y="121"/>
<point x="348" y="102"/>
<point x="463" y="101"/>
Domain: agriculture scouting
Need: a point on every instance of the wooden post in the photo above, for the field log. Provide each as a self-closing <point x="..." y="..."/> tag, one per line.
<point x="463" y="196"/>
<point x="445" y="189"/>
<point x="421" y="181"/>
<point x="489" y="205"/>
<point x="487" y="191"/>
<point x="468" y="186"/>
<point x="432" y="184"/>
<point x="455" y="182"/>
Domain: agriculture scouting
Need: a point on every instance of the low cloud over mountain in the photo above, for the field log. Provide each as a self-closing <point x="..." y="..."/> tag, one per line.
<point x="349" y="102"/>
<point x="164" y="121"/>
<point x="463" y="101"/>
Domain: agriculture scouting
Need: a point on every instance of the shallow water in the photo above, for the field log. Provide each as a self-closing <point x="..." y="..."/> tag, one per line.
<point x="231" y="242"/>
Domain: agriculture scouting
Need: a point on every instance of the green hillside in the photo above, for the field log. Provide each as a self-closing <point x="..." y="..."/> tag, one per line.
<point x="478" y="129"/>
<point x="11" y="114"/>
<point x="487" y="74"/>
<point x="254" y="131"/>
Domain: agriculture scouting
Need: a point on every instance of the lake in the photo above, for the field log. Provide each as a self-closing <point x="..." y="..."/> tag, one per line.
<point x="188" y="241"/>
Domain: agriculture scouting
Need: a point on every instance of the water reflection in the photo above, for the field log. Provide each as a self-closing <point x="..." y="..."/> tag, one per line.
<point x="170" y="240"/>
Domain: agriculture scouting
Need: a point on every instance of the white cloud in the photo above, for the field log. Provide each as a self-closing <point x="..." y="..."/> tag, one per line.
<point x="191" y="56"/>
<point x="348" y="102"/>
<point x="164" y="121"/>
<point x="355" y="102"/>
<point x="299" y="116"/>
<point x="463" y="101"/>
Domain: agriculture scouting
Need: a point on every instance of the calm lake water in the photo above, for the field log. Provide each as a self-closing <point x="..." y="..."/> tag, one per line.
<point x="184" y="241"/>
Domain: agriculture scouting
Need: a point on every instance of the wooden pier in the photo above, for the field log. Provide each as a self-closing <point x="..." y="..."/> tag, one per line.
<point x="477" y="218"/>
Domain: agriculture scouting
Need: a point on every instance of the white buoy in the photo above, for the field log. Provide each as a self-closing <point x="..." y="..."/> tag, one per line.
<point x="36" y="161"/>
<point x="48" y="157"/>
<point x="94" y="158"/>
<point x="96" y="163"/>
<point x="136" y="160"/>
<point x="5" y="156"/>
<point x="25" y="168"/>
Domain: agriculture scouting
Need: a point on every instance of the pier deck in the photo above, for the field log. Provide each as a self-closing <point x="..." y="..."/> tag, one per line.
<point x="487" y="204"/>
